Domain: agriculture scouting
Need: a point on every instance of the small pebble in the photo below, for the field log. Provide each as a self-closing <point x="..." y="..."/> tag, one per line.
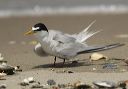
<point x="82" y="86"/>
<point x="51" y="82"/>
<point x="123" y="70"/>
<point x="74" y="62"/>
<point x="61" y="71"/>
<point x="94" y="69"/>
<point x="36" y="85"/>
<point x="25" y="82"/>
<point x="122" y="84"/>
<point x="126" y="61"/>
<point x="46" y="86"/>
<point x="52" y="69"/>
<point x="62" y="85"/>
<point x="3" y="86"/>
<point x="4" y="63"/>
<point x="2" y="74"/>
<point x="17" y="68"/>
<point x="70" y="71"/>
<point x="31" y="79"/>
<point x="110" y="66"/>
<point x="55" y="87"/>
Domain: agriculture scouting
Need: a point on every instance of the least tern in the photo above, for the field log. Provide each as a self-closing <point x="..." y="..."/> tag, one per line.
<point x="62" y="45"/>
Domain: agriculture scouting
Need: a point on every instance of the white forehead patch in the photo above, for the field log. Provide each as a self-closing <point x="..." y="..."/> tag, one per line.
<point x="34" y="29"/>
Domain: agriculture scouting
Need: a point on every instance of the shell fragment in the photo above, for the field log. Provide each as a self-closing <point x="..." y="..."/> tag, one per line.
<point x="30" y="79"/>
<point x="97" y="56"/>
<point x="105" y="84"/>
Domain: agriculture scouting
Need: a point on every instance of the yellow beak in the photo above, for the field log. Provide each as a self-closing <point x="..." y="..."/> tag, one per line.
<point x="29" y="32"/>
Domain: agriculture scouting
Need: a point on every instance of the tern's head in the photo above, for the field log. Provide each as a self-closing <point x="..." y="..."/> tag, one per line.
<point x="37" y="28"/>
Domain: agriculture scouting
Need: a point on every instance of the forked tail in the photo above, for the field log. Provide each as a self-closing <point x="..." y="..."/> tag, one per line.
<point x="85" y="34"/>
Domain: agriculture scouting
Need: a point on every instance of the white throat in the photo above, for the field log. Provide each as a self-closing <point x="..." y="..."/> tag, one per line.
<point x="41" y="35"/>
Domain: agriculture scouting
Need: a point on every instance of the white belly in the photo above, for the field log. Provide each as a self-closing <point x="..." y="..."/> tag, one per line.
<point x="46" y="47"/>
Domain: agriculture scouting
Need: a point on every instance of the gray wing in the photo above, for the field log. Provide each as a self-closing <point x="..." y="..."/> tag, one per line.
<point x="74" y="49"/>
<point x="64" y="38"/>
<point x="70" y="49"/>
<point x="39" y="50"/>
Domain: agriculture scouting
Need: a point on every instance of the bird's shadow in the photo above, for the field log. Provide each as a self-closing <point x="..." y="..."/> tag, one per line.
<point x="61" y="65"/>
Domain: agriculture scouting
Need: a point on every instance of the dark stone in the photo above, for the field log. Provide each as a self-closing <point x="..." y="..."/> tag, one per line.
<point x="51" y="82"/>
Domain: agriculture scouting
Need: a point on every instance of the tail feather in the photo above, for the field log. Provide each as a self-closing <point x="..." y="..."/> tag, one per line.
<point x="86" y="29"/>
<point x="88" y="35"/>
<point x="85" y="34"/>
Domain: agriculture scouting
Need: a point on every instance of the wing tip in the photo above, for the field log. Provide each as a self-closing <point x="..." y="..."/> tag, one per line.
<point x="107" y="47"/>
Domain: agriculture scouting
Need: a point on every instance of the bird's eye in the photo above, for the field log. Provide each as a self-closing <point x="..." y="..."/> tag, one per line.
<point x="35" y="28"/>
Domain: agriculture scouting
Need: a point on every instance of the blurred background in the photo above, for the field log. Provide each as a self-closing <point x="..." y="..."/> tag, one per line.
<point x="40" y="7"/>
<point x="69" y="16"/>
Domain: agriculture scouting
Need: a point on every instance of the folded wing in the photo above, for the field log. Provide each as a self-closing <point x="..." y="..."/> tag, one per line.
<point x="64" y="38"/>
<point x="75" y="49"/>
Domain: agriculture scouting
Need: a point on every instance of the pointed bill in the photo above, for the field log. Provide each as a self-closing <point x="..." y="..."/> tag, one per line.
<point x="29" y="32"/>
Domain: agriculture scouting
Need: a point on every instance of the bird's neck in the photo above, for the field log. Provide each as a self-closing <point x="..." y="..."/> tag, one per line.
<point x="41" y="35"/>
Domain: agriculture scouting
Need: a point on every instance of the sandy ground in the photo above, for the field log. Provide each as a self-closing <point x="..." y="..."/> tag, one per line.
<point x="18" y="49"/>
<point x="43" y="76"/>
